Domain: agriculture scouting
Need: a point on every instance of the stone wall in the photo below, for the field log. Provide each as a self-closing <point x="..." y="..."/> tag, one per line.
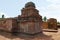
<point x="30" y="27"/>
<point x="45" y="25"/>
<point x="52" y="23"/>
<point x="7" y="24"/>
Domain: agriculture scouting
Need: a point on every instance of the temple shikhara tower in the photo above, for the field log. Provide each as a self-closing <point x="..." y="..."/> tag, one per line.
<point x="28" y="22"/>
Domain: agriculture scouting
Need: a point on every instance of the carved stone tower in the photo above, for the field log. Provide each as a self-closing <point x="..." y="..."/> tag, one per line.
<point x="30" y="20"/>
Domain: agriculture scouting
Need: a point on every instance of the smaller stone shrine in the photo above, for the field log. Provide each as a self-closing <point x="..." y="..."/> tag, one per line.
<point x="52" y="23"/>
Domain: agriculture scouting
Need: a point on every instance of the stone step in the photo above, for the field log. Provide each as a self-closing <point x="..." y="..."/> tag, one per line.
<point x="50" y="30"/>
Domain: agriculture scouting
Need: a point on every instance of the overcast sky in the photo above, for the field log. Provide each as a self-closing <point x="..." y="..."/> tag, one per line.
<point x="48" y="8"/>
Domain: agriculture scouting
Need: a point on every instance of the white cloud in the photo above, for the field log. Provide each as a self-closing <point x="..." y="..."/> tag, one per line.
<point x="54" y="7"/>
<point x="52" y="10"/>
<point x="53" y="1"/>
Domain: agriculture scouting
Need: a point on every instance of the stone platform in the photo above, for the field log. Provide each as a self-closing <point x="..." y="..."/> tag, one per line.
<point x="9" y="36"/>
<point x="50" y="30"/>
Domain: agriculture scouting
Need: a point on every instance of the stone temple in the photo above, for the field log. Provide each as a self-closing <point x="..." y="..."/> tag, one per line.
<point x="29" y="21"/>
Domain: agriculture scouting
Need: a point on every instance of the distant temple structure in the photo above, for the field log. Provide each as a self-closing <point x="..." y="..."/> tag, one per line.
<point x="28" y="22"/>
<point x="52" y="23"/>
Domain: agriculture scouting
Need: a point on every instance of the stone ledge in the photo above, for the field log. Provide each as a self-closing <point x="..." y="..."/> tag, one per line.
<point x="50" y="30"/>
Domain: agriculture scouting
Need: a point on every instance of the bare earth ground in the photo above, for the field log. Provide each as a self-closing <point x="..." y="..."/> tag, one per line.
<point x="44" y="36"/>
<point x="55" y="36"/>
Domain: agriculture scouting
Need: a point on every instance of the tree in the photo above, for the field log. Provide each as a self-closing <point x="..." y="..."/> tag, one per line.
<point x="2" y="16"/>
<point x="45" y="19"/>
<point x="58" y="22"/>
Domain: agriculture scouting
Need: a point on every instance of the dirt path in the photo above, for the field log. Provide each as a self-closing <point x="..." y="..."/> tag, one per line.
<point x="45" y="36"/>
<point x="55" y="35"/>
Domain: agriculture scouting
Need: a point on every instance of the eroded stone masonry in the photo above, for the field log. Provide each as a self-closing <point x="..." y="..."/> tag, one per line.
<point x="28" y="22"/>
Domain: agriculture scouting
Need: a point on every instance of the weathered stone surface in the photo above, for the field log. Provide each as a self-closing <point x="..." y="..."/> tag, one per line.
<point x="28" y="22"/>
<point x="52" y="23"/>
<point x="45" y="25"/>
<point x="30" y="4"/>
<point x="8" y="24"/>
<point x="30" y="27"/>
